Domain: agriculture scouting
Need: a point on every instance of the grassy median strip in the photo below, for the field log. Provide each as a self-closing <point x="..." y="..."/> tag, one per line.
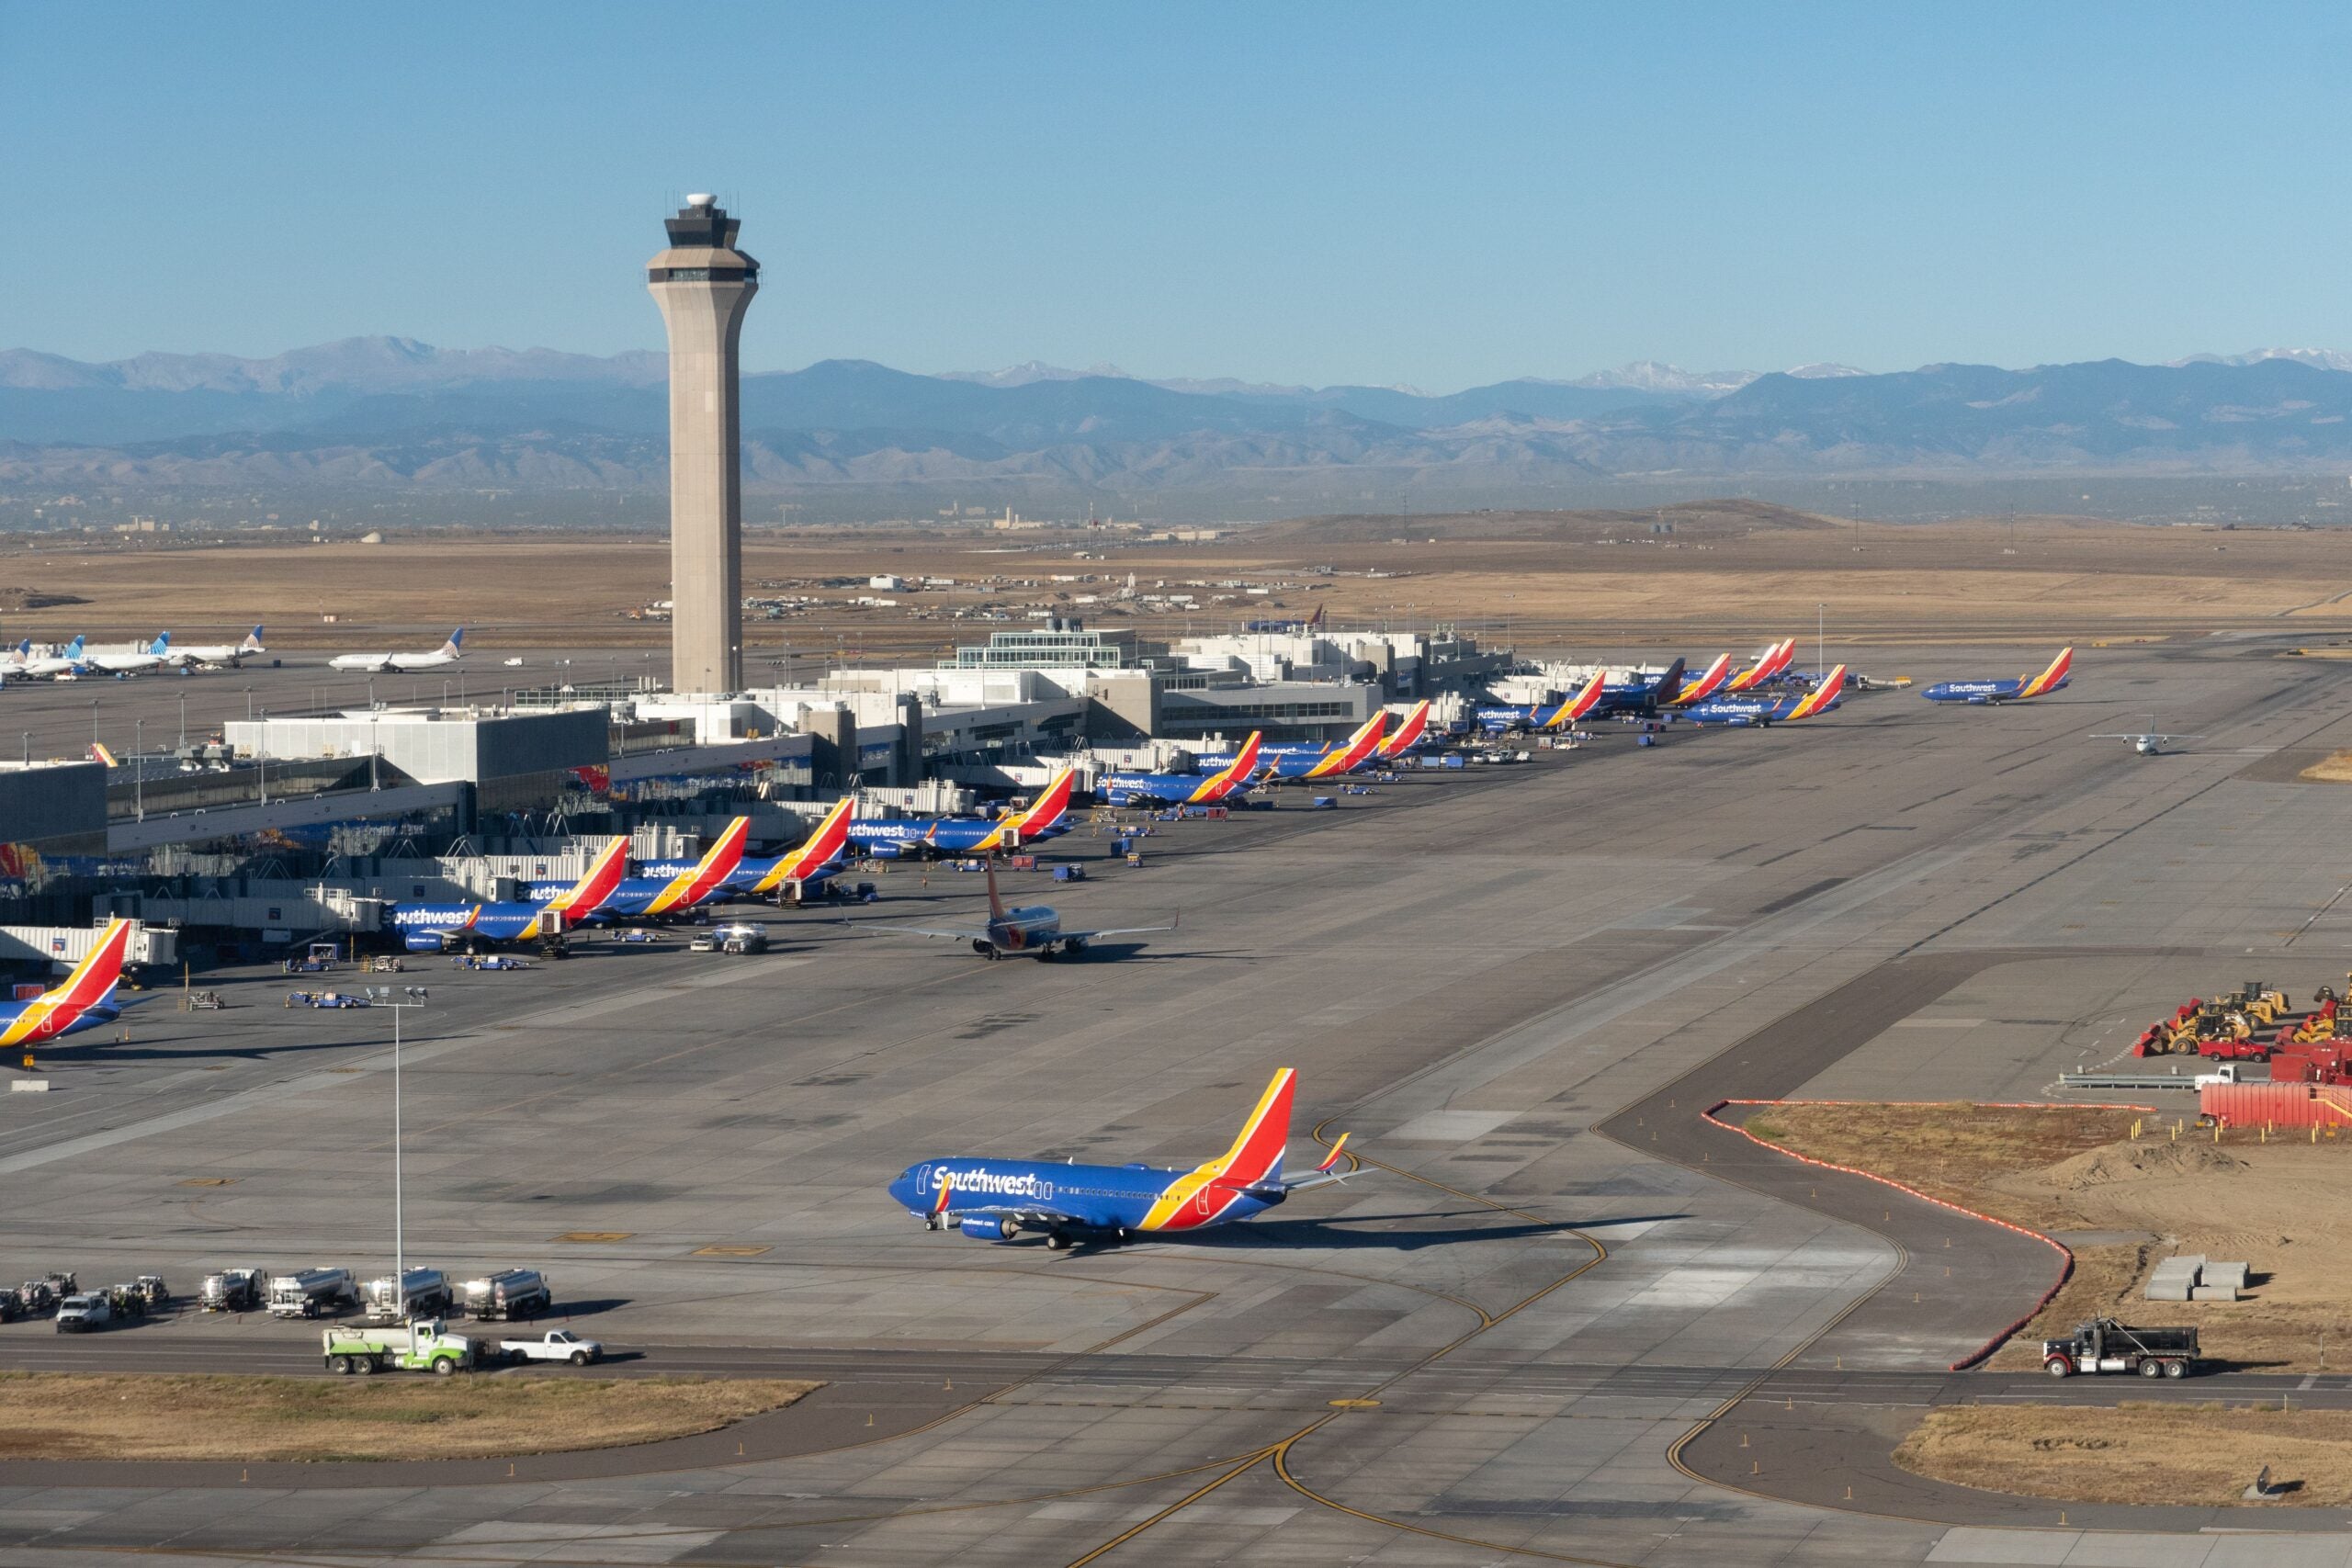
<point x="395" y="1417"/>
<point x="2195" y="1454"/>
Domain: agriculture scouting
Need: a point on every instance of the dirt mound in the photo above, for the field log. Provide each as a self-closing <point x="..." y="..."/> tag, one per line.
<point x="2136" y="1162"/>
<point x="35" y="598"/>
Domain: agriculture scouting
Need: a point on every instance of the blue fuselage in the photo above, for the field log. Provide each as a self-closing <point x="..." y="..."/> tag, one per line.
<point x="1746" y="710"/>
<point x="428" y="927"/>
<point x="1089" y="1198"/>
<point x="1984" y="691"/>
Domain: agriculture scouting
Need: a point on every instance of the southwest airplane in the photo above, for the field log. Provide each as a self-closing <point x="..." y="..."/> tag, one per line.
<point x="1329" y="762"/>
<point x="138" y="659"/>
<point x="706" y="882"/>
<point x="1576" y="707"/>
<point x="2022" y="689"/>
<point x="817" y="858"/>
<point x="1184" y="789"/>
<point x="1408" y="735"/>
<point x="1642" y="696"/>
<point x="996" y="1199"/>
<point x="86" y="1000"/>
<point x="220" y="652"/>
<point x="913" y="837"/>
<point x="1768" y="666"/>
<point x="1765" y="710"/>
<point x="1711" y="680"/>
<point x="389" y="664"/>
<point x="436" y="928"/>
<point x="1032" y="929"/>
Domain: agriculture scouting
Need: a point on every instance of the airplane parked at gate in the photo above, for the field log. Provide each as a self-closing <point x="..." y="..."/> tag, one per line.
<point x="911" y="838"/>
<point x="219" y="652"/>
<point x="436" y="927"/>
<point x="1642" y="696"/>
<point x="705" y="882"/>
<point x="84" y="1000"/>
<point x="45" y="667"/>
<point x="1407" y="735"/>
<point x="136" y="661"/>
<point x="1032" y="929"/>
<point x="1710" y="680"/>
<point x="1561" y="715"/>
<point x="1768" y="667"/>
<point x="1183" y="789"/>
<point x="996" y="1199"/>
<point x="400" y="663"/>
<point x="1763" y="711"/>
<point x="818" y="857"/>
<point x="2023" y="689"/>
<point x="1328" y="763"/>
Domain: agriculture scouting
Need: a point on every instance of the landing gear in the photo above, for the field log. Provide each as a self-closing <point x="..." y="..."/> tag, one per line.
<point x="1059" y="1241"/>
<point x="1074" y="947"/>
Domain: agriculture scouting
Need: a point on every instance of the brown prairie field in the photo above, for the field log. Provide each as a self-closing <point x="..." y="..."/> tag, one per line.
<point x="2274" y="1203"/>
<point x="2197" y="1455"/>
<point x="1732" y="573"/>
<point x="214" y="1417"/>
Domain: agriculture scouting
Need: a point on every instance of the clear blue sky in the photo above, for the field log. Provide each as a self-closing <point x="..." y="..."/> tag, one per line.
<point x="1435" y="194"/>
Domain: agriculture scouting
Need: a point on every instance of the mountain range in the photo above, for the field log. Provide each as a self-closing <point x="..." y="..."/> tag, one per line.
<point x="389" y="414"/>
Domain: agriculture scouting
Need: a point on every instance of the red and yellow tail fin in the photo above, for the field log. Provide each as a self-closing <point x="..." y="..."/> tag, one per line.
<point x="1700" y="690"/>
<point x="98" y="753"/>
<point x="1050" y="807"/>
<point x="1821" y="696"/>
<point x="2048" y="680"/>
<point x="587" y="896"/>
<point x="1202" y="1194"/>
<point x="1408" y="732"/>
<point x="828" y="840"/>
<point x="718" y="864"/>
<point x="1581" y="704"/>
<point x="1360" y="745"/>
<point x="92" y="981"/>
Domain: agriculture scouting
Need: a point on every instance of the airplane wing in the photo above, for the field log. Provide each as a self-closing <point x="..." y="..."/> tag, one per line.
<point x="969" y="934"/>
<point x="1113" y="930"/>
<point x="1322" y="1175"/>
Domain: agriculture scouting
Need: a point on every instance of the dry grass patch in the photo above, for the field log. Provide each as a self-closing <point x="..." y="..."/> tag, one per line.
<point x="211" y="1417"/>
<point x="2331" y="769"/>
<point x="2193" y="1454"/>
<point x="2278" y="1206"/>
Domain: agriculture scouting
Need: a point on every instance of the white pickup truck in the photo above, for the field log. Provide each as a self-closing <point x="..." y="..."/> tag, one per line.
<point x="555" y="1345"/>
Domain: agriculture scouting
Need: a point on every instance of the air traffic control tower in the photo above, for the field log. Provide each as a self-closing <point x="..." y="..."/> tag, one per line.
<point x="704" y="285"/>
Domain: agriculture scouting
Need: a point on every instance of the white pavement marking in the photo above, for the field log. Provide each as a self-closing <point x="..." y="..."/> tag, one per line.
<point x="513" y="1540"/>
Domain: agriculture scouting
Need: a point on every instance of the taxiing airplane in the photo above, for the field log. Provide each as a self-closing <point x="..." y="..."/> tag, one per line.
<point x="436" y="927"/>
<point x="1763" y="710"/>
<point x="391" y="663"/>
<point x="1183" y="789"/>
<point x="911" y="838"/>
<point x="219" y="652"/>
<point x="996" y="1199"/>
<point x="85" y="999"/>
<point x="1032" y="929"/>
<point x="2023" y="689"/>
<point x="135" y="661"/>
<point x="817" y="857"/>
<point x="2147" y="744"/>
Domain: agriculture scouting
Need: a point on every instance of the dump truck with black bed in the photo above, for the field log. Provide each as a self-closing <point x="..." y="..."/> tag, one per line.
<point x="2103" y="1345"/>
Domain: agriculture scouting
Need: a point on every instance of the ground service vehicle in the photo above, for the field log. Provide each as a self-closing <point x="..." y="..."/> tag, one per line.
<point x="12" y="1306"/>
<point x="39" y="1295"/>
<point x="510" y="1293"/>
<point x="2104" y="1345"/>
<point x="127" y="1300"/>
<point x="555" y="1345"/>
<point x="157" y="1294"/>
<point x="741" y="936"/>
<point x="79" y="1314"/>
<point x="420" y="1292"/>
<point x="234" y="1290"/>
<point x="424" y="1346"/>
<point x="311" y="1292"/>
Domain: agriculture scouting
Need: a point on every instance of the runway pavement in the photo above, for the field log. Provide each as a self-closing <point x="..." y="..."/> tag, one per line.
<point x="1518" y="1319"/>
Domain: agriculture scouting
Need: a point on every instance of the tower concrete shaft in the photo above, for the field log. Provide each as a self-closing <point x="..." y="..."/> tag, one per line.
<point x="704" y="285"/>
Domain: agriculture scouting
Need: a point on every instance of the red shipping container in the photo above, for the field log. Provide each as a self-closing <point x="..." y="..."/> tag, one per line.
<point x="2291" y="1069"/>
<point x="2277" y="1104"/>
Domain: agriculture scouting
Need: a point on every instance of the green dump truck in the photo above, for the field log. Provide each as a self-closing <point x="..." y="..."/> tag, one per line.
<point x="424" y="1345"/>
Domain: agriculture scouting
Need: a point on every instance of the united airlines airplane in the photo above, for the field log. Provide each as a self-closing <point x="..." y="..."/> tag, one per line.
<point x="388" y="663"/>
<point x="992" y="1199"/>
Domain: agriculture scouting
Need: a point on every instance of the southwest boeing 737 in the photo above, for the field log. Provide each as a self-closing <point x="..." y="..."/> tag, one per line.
<point x="1329" y="762"/>
<point x="706" y="882"/>
<point x="1407" y="735"/>
<point x="1763" y="711"/>
<point x="436" y="927"/>
<point x="1183" y="789"/>
<point x="817" y="857"/>
<point x="1768" y="667"/>
<point x="996" y="1199"/>
<point x="911" y="838"/>
<point x="85" y="1000"/>
<point x="1711" y="680"/>
<point x="2023" y="689"/>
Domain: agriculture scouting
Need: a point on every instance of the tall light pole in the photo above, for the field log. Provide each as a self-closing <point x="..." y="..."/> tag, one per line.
<point x="139" y="769"/>
<point x="1821" y="636"/>
<point x="399" y="1210"/>
<point x="183" y="719"/>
